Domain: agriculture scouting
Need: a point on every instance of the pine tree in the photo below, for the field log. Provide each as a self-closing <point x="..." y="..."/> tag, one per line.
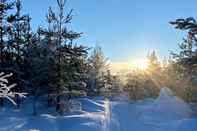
<point x="153" y="63"/>
<point x="135" y="85"/>
<point x="116" y="86"/>
<point x="4" y="8"/>
<point x="97" y="71"/>
<point x="41" y="69"/>
<point x="19" y="40"/>
<point x="187" y="57"/>
<point x="154" y="72"/>
<point x="188" y="53"/>
<point x="66" y="55"/>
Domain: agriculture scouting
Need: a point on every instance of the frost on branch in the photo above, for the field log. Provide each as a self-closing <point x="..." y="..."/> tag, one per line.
<point x="6" y="90"/>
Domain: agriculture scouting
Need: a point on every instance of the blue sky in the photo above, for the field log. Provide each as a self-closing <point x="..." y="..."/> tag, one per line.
<point x="126" y="29"/>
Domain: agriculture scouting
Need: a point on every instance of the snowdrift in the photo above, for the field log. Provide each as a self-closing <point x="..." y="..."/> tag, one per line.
<point x="166" y="107"/>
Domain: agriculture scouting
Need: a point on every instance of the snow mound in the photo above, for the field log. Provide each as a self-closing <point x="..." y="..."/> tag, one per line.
<point x="166" y="107"/>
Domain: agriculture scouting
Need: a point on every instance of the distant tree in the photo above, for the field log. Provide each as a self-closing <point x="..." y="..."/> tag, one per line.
<point x="98" y="67"/>
<point x="153" y="63"/>
<point x="116" y="87"/>
<point x="107" y="83"/>
<point x="135" y="85"/>
<point x="154" y="72"/>
<point x="141" y="84"/>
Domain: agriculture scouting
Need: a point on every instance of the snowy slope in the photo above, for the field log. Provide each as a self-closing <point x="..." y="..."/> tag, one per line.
<point x="167" y="113"/>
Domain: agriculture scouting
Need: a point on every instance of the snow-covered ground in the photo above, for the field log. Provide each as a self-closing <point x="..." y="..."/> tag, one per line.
<point x="137" y="117"/>
<point x="166" y="113"/>
<point x="93" y="116"/>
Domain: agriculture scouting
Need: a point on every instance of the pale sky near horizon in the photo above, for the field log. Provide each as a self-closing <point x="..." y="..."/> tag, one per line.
<point x="125" y="29"/>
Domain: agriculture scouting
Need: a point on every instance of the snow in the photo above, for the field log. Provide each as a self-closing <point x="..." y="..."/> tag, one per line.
<point x="166" y="113"/>
<point x="166" y="107"/>
<point x="6" y="90"/>
<point x="91" y="117"/>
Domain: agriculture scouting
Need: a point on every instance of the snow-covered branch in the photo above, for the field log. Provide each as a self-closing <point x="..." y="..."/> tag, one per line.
<point x="6" y="90"/>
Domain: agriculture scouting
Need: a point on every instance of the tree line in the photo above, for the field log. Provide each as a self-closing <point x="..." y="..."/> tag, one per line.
<point x="49" y="64"/>
<point x="177" y="72"/>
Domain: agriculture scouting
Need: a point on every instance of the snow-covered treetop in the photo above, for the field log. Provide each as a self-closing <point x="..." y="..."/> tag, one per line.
<point x="6" y="90"/>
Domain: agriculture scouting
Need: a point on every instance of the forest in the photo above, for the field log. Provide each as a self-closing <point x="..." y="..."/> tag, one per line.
<point x="47" y="68"/>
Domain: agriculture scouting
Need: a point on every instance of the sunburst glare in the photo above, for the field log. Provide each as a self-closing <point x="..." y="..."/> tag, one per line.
<point x="141" y="64"/>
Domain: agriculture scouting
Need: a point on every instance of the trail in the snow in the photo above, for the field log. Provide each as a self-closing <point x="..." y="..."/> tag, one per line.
<point x="167" y="112"/>
<point x="107" y="116"/>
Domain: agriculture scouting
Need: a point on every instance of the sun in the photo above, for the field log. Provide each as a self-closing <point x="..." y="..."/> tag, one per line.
<point x="141" y="64"/>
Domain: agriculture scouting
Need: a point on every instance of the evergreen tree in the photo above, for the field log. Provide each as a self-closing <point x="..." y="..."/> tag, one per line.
<point x="4" y="8"/>
<point x="14" y="28"/>
<point x="116" y="86"/>
<point x="19" y="38"/>
<point x="69" y="59"/>
<point x="135" y="85"/>
<point x="98" y="67"/>
<point x="153" y="63"/>
<point x="187" y="57"/>
<point x="154" y="72"/>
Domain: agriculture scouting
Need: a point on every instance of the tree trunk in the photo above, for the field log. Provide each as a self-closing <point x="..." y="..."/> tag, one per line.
<point x="1" y="102"/>
<point x="58" y="103"/>
<point x="18" y="102"/>
<point x="34" y="106"/>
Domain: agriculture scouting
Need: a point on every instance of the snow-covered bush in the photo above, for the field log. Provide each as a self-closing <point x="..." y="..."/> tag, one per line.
<point x="6" y="90"/>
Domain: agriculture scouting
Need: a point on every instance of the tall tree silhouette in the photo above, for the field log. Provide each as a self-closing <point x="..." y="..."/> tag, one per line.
<point x="186" y="59"/>
<point x="60" y="41"/>
<point x="98" y="70"/>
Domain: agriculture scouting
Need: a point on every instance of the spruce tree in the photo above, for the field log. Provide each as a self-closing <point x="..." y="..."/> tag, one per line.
<point x="154" y="74"/>
<point x="98" y="67"/>
<point x="186" y="59"/>
<point x="5" y="6"/>
<point x="19" y="38"/>
<point x="66" y="55"/>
